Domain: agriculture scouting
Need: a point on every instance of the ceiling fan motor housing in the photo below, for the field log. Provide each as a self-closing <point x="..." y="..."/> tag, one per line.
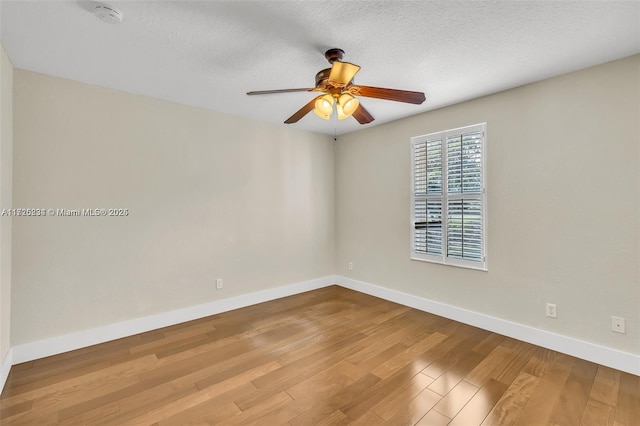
<point x="322" y="76"/>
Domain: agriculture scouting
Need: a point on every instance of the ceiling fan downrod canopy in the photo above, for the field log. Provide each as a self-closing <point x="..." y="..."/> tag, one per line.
<point x="333" y="55"/>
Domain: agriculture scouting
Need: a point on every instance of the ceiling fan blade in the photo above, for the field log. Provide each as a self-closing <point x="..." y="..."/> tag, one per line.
<point x="269" y="92"/>
<point x="343" y="72"/>
<point x="362" y="115"/>
<point x="388" y="94"/>
<point x="301" y="112"/>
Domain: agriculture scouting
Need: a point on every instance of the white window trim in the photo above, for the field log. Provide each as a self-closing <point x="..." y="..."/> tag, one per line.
<point x="443" y="259"/>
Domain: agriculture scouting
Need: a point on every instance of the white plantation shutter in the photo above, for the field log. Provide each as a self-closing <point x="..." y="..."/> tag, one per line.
<point x="448" y="226"/>
<point x="427" y="166"/>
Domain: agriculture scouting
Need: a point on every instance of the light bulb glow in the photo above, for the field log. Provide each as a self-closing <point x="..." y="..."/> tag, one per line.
<point x="324" y="106"/>
<point x="346" y="106"/>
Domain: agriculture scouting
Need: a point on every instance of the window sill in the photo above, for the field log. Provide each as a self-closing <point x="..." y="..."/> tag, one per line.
<point x="466" y="265"/>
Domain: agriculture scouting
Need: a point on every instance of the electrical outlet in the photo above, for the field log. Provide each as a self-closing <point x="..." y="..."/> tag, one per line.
<point x="617" y="325"/>
<point x="350" y="266"/>
<point x="219" y="284"/>
<point x="551" y="310"/>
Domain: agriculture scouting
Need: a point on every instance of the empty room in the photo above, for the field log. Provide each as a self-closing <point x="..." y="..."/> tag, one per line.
<point x="320" y="213"/>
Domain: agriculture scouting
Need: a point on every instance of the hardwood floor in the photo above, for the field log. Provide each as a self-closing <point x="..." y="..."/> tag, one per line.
<point x="326" y="357"/>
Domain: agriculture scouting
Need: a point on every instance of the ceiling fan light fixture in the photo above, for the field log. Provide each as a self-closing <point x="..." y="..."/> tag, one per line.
<point x="324" y="106"/>
<point x="336" y="84"/>
<point x="321" y="115"/>
<point x="346" y="106"/>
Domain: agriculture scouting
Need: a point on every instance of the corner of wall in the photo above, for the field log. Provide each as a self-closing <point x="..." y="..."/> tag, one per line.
<point x="5" y="366"/>
<point x="6" y="184"/>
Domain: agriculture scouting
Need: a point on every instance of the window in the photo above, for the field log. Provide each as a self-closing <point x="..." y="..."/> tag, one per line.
<point x="448" y="203"/>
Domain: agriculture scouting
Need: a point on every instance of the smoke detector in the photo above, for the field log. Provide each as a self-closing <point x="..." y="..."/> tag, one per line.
<point x="108" y="14"/>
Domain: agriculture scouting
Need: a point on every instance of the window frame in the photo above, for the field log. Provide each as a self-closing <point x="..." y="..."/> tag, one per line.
<point x="445" y="197"/>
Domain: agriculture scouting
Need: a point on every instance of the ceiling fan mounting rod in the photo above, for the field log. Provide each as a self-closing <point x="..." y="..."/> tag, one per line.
<point x="334" y="54"/>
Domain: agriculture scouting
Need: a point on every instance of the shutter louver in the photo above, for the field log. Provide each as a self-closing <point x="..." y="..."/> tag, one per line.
<point x="434" y="226"/>
<point x="454" y="165"/>
<point x="420" y="226"/>
<point x="428" y="226"/>
<point x="434" y="166"/>
<point x="420" y="168"/>
<point x="472" y="163"/>
<point x="464" y="163"/>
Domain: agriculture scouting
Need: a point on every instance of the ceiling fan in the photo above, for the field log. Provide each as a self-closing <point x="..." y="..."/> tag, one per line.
<point x="336" y="86"/>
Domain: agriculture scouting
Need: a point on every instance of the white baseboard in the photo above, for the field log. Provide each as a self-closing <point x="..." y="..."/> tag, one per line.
<point x="5" y="366"/>
<point x="56" y="345"/>
<point x="609" y="357"/>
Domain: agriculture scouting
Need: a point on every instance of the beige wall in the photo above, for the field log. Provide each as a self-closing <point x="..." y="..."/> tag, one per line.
<point x="213" y="196"/>
<point x="6" y="144"/>
<point x="563" y="203"/>
<point x="209" y="195"/>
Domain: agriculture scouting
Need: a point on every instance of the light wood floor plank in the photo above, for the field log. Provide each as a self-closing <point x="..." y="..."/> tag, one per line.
<point x="546" y="395"/>
<point x="451" y="404"/>
<point x="415" y="409"/>
<point x="508" y="408"/>
<point x="336" y="418"/>
<point x="449" y="379"/>
<point x="325" y="406"/>
<point x="570" y="407"/>
<point x="214" y="409"/>
<point x="483" y="371"/>
<point x="476" y="410"/>
<point x="90" y="416"/>
<point x="433" y="418"/>
<point x="393" y="402"/>
<point x="539" y="362"/>
<point x="408" y="355"/>
<point x="598" y="413"/>
<point x="606" y="386"/>
<point x="628" y="404"/>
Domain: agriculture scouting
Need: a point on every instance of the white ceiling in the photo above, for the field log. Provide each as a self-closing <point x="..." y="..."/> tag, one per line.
<point x="210" y="53"/>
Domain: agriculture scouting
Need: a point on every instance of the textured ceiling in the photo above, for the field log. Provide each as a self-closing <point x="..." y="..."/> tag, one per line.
<point x="210" y="53"/>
